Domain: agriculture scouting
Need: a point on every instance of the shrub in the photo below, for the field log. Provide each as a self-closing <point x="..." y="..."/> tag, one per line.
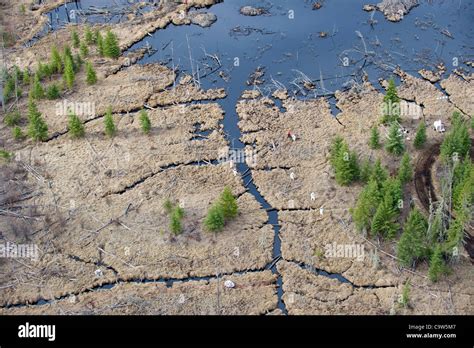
<point x="6" y="155"/>
<point x="168" y="206"/>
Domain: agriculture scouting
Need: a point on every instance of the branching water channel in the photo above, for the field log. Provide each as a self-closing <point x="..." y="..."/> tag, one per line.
<point x="332" y="47"/>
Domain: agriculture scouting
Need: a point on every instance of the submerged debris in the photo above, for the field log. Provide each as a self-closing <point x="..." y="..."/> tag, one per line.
<point x="252" y="11"/>
<point x="203" y="19"/>
<point x="256" y="77"/>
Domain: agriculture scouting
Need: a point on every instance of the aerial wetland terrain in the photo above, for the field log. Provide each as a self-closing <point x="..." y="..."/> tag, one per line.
<point x="237" y="157"/>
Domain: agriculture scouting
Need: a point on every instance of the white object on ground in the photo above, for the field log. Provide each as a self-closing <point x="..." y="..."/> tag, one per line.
<point x="229" y="284"/>
<point x="439" y="126"/>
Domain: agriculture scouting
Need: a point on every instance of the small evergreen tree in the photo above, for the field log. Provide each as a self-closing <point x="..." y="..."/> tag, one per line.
<point x="76" y="128"/>
<point x="379" y="174"/>
<point x="89" y="37"/>
<point x="405" y="172"/>
<point x="100" y="43"/>
<point x="37" y="91"/>
<point x="145" y="122"/>
<point x="457" y="141"/>
<point x="393" y="193"/>
<point x="26" y="77"/>
<point x="17" y="133"/>
<point x="9" y="88"/>
<point x="366" y="170"/>
<point x="175" y="220"/>
<point x="84" y="50"/>
<point x="77" y="62"/>
<point x="383" y="222"/>
<point x="412" y="244"/>
<point x="43" y="71"/>
<point x="52" y="92"/>
<point x="37" y="128"/>
<point x="110" y="129"/>
<point x="391" y="103"/>
<point x="168" y="206"/>
<point x="335" y="149"/>
<point x="229" y="204"/>
<point x="366" y="206"/>
<point x="67" y="53"/>
<point x="374" y="142"/>
<point x="69" y="74"/>
<point x="405" y="298"/>
<point x="420" y="137"/>
<point x="215" y="220"/>
<point x="55" y="63"/>
<point x="13" y="118"/>
<point x="91" y="75"/>
<point x="111" y="47"/>
<point x="395" y="142"/>
<point x="75" y="39"/>
<point x="346" y="166"/>
<point x="436" y="264"/>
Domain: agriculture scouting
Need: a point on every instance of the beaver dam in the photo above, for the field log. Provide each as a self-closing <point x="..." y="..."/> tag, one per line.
<point x="237" y="157"/>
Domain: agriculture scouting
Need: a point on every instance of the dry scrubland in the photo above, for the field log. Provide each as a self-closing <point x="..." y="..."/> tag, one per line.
<point x="98" y="202"/>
